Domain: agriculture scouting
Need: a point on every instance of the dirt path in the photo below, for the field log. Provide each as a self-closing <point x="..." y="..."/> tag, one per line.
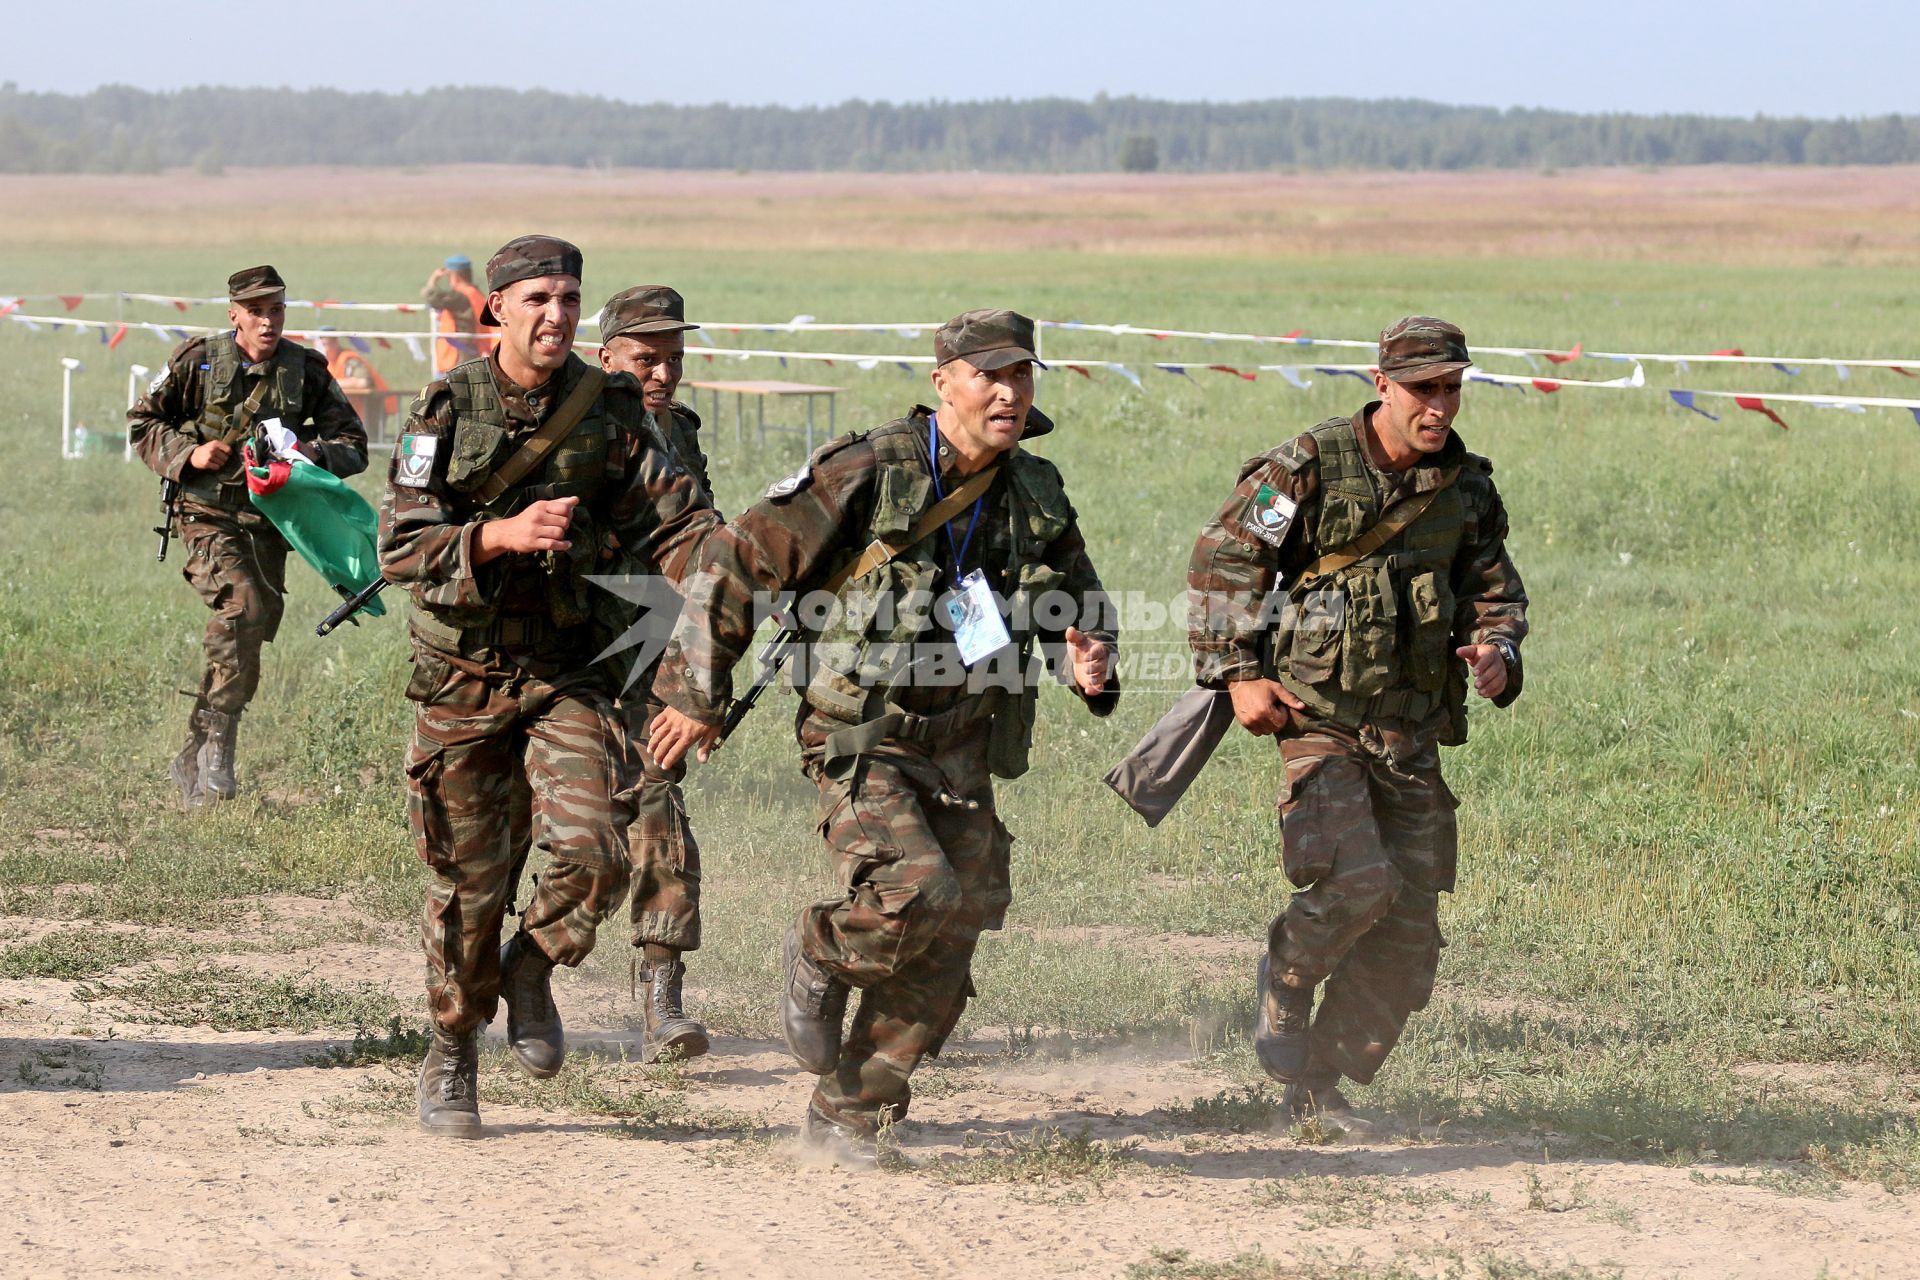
<point x="139" y="1148"/>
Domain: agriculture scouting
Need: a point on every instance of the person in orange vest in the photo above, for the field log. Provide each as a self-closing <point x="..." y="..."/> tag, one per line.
<point x="359" y="379"/>
<point x="457" y="308"/>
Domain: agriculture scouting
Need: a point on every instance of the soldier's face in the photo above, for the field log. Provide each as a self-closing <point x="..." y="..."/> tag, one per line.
<point x="656" y="359"/>
<point x="537" y="319"/>
<point x="982" y="410"/>
<point x="1416" y="416"/>
<point x="257" y="324"/>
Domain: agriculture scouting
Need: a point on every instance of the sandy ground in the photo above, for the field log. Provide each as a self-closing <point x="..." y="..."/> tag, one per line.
<point x="1714" y="213"/>
<point x="136" y="1148"/>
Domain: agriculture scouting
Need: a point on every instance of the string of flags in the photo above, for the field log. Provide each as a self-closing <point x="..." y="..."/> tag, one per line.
<point x="111" y="333"/>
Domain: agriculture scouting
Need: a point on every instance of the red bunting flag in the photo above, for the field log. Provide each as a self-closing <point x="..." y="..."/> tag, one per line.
<point x="1557" y="358"/>
<point x="324" y="303"/>
<point x="706" y="357"/>
<point x="406" y="308"/>
<point x="179" y="304"/>
<point x="1227" y="368"/>
<point x="1296" y="333"/>
<point x="1079" y="369"/>
<point x="1896" y="368"/>
<point x="71" y="301"/>
<point x="1545" y="386"/>
<point x="1756" y="405"/>
<point x="1158" y="337"/>
<point x="1730" y="351"/>
<point x="384" y="344"/>
<point x="8" y="305"/>
<point x="118" y="334"/>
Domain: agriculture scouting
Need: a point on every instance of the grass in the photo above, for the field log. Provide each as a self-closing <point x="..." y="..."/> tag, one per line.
<point x="74" y="953"/>
<point x="1180" y="1264"/>
<point x="1690" y="848"/>
<point x="1314" y="1202"/>
<point x="226" y="999"/>
<point x="1046" y="1159"/>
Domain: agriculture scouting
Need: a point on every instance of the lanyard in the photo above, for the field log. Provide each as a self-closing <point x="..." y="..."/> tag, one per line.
<point x="933" y="456"/>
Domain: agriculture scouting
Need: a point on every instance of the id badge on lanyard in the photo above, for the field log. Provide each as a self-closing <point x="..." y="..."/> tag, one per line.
<point x="978" y="628"/>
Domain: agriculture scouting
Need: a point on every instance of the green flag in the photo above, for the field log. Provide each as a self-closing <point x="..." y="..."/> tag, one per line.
<point x="330" y="525"/>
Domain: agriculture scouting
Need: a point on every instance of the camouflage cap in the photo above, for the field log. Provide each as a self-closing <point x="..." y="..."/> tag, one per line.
<point x="254" y="282"/>
<point x="645" y="308"/>
<point x="529" y="258"/>
<point x="1416" y="348"/>
<point x="986" y="339"/>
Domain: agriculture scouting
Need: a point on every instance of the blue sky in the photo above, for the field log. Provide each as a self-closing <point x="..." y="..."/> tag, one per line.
<point x="1842" y="57"/>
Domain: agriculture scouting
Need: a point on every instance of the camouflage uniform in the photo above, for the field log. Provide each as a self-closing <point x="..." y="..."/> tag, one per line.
<point x="666" y="857"/>
<point x="904" y="769"/>
<point x="1367" y="823"/>
<point x="236" y="559"/>
<point x="516" y="727"/>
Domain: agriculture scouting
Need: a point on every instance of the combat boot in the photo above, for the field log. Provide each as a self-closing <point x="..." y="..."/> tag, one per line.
<point x="813" y="1006"/>
<point x="185" y="769"/>
<point x="1280" y="1036"/>
<point x="534" y="1035"/>
<point x="840" y="1143"/>
<point x="449" y="1090"/>
<point x="1323" y="1101"/>
<point x="669" y="1029"/>
<point x="216" y="756"/>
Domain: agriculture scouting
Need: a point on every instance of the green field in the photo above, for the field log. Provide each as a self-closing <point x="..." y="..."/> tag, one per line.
<point x="1690" y="884"/>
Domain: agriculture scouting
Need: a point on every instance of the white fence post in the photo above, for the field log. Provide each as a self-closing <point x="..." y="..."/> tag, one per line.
<point x="68" y="366"/>
<point x="134" y="374"/>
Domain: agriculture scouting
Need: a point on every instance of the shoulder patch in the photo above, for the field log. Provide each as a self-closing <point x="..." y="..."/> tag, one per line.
<point x="1270" y="515"/>
<point x="413" y="460"/>
<point x="160" y="378"/>
<point x="787" y="486"/>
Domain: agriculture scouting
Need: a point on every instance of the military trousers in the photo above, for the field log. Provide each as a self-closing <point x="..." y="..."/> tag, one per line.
<point x="237" y="563"/>
<point x="922" y="861"/>
<point x="1370" y="841"/>
<point x="489" y="755"/>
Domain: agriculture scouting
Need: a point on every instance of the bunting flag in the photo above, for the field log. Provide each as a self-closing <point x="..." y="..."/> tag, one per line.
<point x="1729" y="351"/>
<point x="1298" y="336"/>
<point x="1558" y="358"/>
<point x="1126" y="373"/>
<point x="1841" y="372"/>
<point x="384" y="344"/>
<point x="359" y="343"/>
<point x="103" y="336"/>
<point x="1754" y="404"/>
<point x="1172" y="368"/>
<point x="414" y="349"/>
<point x="903" y="366"/>
<point x="1292" y="374"/>
<point x="1076" y="368"/>
<point x="1341" y="373"/>
<point x="1685" y="400"/>
<point x="181" y="334"/>
<point x="1787" y="369"/>
<point x="1916" y="416"/>
<point x="119" y="334"/>
<point x="180" y="304"/>
<point x="71" y="301"/>
<point x="9" y="305"/>
<point x="1227" y="368"/>
<point x="1545" y="386"/>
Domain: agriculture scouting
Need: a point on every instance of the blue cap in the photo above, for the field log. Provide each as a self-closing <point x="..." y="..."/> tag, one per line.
<point x="459" y="260"/>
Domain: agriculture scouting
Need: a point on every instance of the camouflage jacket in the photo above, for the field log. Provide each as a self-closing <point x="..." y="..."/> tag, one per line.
<point x="814" y="522"/>
<point x="1236" y="562"/>
<point x="444" y="297"/>
<point x="164" y="424"/>
<point x="682" y="429"/>
<point x="428" y="532"/>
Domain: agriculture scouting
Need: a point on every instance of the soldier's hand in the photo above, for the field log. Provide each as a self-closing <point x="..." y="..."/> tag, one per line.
<point x="210" y="456"/>
<point x="1263" y="706"/>
<point x="1090" y="660"/>
<point x="672" y="734"/>
<point x="542" y="526"/>
<point x="610" y="546"/>
<point x="1489" y="667"/>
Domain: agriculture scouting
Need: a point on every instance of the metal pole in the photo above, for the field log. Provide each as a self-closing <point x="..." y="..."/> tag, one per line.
<point x="67" y="366"/>
<point x="134" y="374"/>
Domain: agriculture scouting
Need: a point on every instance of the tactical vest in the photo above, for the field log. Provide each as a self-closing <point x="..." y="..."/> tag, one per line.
<point x="225" y="392"/>
<point x="578" y="467"/>
<point x="1375" y="638"/>
<point x="885" y="612"/>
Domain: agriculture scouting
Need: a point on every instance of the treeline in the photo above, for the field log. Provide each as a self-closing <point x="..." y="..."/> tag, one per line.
<point x="122" y="130"/>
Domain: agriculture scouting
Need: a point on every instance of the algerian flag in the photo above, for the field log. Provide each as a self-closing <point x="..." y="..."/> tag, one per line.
<point x="332" y="527"/>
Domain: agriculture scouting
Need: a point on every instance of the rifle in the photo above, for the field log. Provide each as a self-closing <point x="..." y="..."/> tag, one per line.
<point x="169" y="509"/>
<point x="355" y="602"/>
<point x="773" y="657"/>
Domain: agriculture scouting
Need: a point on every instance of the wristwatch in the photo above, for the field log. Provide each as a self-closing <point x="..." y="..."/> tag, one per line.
<point x="1507" y="651"/>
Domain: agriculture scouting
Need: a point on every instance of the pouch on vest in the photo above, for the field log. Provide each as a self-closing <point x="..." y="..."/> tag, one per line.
<point x="1368" y="662"/>
<point x="1429" y="629"/>
<point x="476" y="448"/>
<point x="1318" y="619"/>
<point x="1010" y="734"/>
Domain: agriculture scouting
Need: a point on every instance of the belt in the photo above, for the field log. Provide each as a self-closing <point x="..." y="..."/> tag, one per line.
<point x="213" y="492"/>
<point x="898" y="725"/>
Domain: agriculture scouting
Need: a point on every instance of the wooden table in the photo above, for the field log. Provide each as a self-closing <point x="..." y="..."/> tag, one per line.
<point x="762" y="391"/>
